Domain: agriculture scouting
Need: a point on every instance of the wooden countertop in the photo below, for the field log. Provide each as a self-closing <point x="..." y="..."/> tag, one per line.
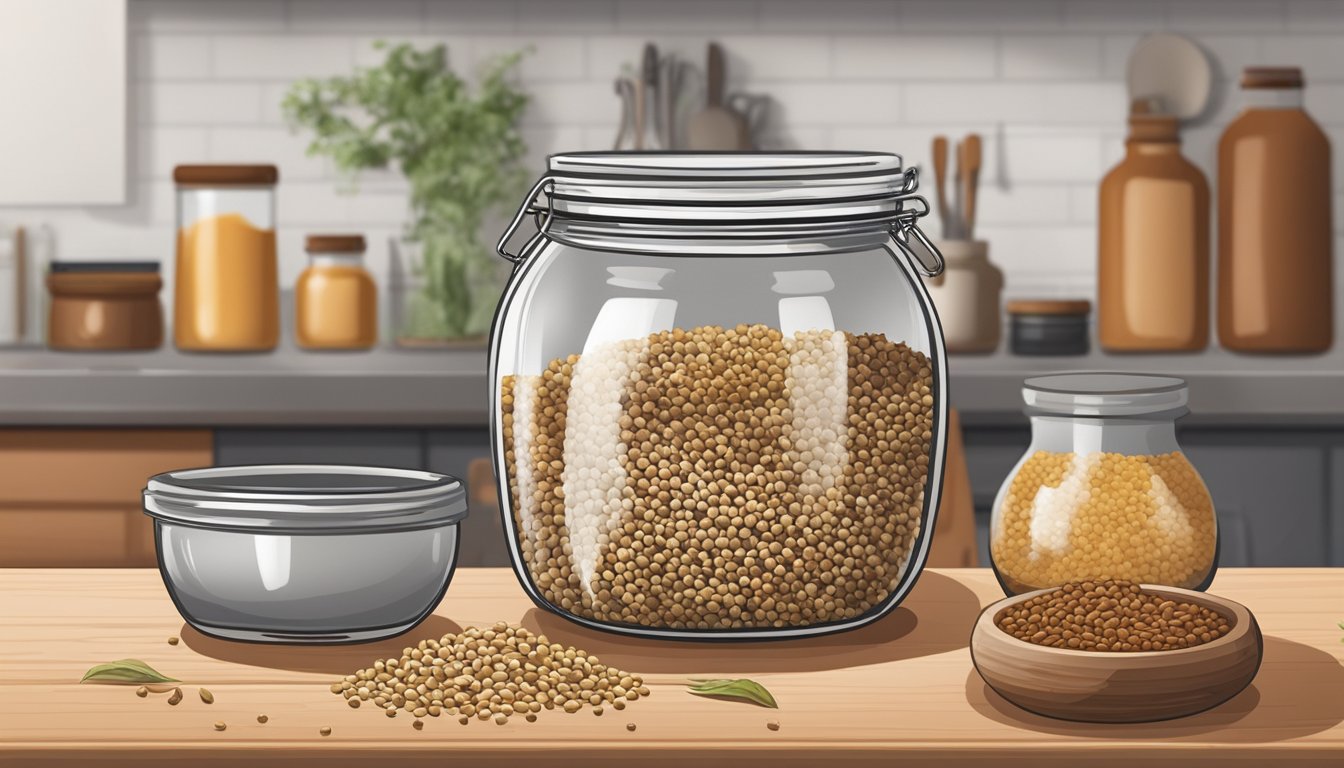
<point x="902" y="691"/>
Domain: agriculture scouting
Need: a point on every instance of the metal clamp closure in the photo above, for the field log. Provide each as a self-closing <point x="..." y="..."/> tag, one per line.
<point x="906" y="232"/>
<point x="545" y="185"/>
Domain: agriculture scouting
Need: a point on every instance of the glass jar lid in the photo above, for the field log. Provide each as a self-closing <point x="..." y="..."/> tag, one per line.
<point x="727" y="187"/>
<point x="306" y="499"/>
<point x="1102" y="394"/>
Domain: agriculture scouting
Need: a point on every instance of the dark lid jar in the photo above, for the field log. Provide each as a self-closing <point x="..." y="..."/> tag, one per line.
<point x="110" y="305"/>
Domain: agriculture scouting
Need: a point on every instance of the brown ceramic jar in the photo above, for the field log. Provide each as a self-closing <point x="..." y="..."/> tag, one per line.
<point x="104" y="306"/>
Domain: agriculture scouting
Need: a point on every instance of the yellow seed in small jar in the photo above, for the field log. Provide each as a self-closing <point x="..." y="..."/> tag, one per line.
<point x="1069" y="517"/>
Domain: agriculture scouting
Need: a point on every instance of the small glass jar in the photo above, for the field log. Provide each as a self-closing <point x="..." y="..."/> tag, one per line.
<point x="336" y="301"/>
<point x="1104" y="491"/>
<point x="1049" y="327"/>
<point x="227" y="296"/>
<point x="104" y="305"/>
<point x="719" y="392"/>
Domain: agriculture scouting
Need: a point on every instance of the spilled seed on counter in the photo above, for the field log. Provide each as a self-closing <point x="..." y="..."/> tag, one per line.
<point x="490" y="674"/>
<point x="176" y="697"/>
<point x="207" y="696"/>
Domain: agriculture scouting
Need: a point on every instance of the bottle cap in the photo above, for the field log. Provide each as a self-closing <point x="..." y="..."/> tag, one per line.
<point x="1271" y="77"/>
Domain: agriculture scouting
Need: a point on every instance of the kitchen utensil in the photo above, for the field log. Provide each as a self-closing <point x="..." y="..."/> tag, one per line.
<point x="20" y="283"/>
<point x="650" y="115"/>
<point x="595" y="305"/>
<point x="305" y="553"/>
<point x="1049" y="326"/>
<point x="102" y="306"/>
<point x="1121" y="686"/>
<point x="1172" y="69"/>
<point x="940" y="181"/>
<point x="967" y="297"/>
<point x="1275" y="232"/>
<point x="673" y="70"/>
<point x="969" y="168"/>
<point x="625" y="135"/>
<point x="716" y="128"/>
<point x="753" y="108"/>
<point x="958" y="199"/>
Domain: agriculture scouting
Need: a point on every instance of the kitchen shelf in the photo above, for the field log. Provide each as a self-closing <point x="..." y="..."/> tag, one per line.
<point x="447" y="388"/>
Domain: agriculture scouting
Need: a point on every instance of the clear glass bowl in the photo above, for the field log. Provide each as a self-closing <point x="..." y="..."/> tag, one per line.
<point x="718" y="391"/>
<point x="1104" y="491"/>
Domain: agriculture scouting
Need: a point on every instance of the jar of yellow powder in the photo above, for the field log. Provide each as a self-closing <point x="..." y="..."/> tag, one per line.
<point x="227" y="292"/>
<point x="1104" y="491"/>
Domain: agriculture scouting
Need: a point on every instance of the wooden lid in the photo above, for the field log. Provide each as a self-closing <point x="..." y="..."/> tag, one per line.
<point x="1271" y="77"/>
<point x="1049" y="307"/>
<point x="334" y="244"/>
<point x="1154" y="128"/>
<point x="226" y="175"/>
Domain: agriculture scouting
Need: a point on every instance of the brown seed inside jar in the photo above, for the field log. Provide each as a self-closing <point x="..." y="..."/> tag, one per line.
<point x="1111" y="616"/>
<point x="721" y="478"/>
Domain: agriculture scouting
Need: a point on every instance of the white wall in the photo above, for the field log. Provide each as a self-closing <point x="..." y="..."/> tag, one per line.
<point x="1042" y="79"/>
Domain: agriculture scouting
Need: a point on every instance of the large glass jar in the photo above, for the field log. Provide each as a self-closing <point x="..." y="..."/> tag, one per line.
<point x="227" y="296"/>
<point x="1104" y="491"/>
<point x="718" y="392"/>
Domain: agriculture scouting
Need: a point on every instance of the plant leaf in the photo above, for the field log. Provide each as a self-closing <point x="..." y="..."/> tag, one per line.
<point x="740" y="689"/>
<point x="125" y="672"/>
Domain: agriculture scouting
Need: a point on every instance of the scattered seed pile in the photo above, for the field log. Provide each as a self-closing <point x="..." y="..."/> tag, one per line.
<point x="1111" y="616"/>
<point x="1073" y="516"/>
<point x="490" y="674"/>
<point x="721" y="477"/>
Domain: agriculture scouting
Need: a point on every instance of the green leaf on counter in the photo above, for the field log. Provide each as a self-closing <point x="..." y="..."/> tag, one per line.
<point x="740" y="689"/>
<point x="126" y="672"/>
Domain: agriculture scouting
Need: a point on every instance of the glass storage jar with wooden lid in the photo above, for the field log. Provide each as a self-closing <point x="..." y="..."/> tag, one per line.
<point x="227" y="296"/>
<point x="1104" y="490"/>
<point x="336" y="301"/>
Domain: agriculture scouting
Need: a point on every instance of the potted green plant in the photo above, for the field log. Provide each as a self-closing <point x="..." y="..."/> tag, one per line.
<point x="460" y="149"/>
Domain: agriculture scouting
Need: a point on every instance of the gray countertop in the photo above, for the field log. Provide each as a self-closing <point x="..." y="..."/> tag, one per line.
<point x="446" y="388"/>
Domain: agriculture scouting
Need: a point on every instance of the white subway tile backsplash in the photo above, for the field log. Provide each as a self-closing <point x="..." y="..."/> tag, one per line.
<point x="548" y="16"/>
<point x="1041" y="80"/>
<point x="1314" y="16"/>
<point x="913" y="57"/>
<point x="201" y="103"/>
<point x="1326" y="104"/>
<point x="1074" y="103"/>
<point x="159" y="149"/>
<point x="837" y="103"/>
<point x="1051" y="158"/>
<point x="206" y="15"/>
<point x="1263" y="16"/>
<point x="282" y="57"/>
<point x="457" y="17"/>
<point x="655" y="16"/>
<point x="1110" y="16"/>
<point x="356" y="16"/>
<point x="758" y="59"/>
<point x="1033" y="57"/>
<point x="170" y="57"/>
<point x="286" y="149"/>
<point x="990" y="15"/>
<point x="1320" y="56"/>
<point x="810" y="16"/>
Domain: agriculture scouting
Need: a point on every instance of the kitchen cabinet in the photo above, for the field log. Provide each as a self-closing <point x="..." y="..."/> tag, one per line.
<point x="901" y="691"/>
<point x="1279" y="493"/>
<point x="72" y="496"/>
<point x="400" y="448"/>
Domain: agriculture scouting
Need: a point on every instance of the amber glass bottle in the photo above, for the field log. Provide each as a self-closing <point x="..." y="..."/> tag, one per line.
<point x="1153" y="274"/>
<point x="1275" y="289"/>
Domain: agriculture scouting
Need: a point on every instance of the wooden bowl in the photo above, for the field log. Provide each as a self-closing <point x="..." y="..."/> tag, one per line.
<point x="1119" y="687"/>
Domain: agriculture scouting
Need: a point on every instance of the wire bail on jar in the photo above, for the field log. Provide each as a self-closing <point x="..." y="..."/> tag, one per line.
<point x="904" y="230"/>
